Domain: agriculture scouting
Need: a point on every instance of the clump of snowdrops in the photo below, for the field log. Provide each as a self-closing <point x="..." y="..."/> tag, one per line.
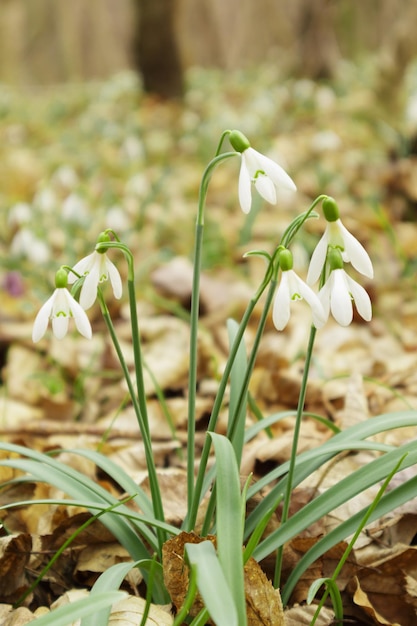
<point x="217" y="572"/>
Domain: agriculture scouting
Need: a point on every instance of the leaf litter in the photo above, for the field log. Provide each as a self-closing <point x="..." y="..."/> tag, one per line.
<point x="71" y="393"/>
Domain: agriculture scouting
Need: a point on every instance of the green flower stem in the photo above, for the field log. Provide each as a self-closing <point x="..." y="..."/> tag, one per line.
<point x="136" y="343"/>
<point x="298" y="222"/>
<point x="233" y="425"/>
<point x="137" y="355"/>
<point x="195" y="502"/>
<point x="224" y="134"/>
<point x="143" y="426"/>
<point x="296" y="436"/>
<point x="194" y="316"/>
<point x="252" y="359"/>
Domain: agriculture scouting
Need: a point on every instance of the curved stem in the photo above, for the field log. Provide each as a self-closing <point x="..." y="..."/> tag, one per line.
<point x="296" y="436"/>
<point x="197" y="492"/>
<point x="194" y="315"/>
<point x="142" y="421"/>
<point x="252" y="358"/>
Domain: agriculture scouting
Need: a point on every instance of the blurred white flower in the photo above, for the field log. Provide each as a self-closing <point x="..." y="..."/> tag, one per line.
<point x="20" y="213"/>
<point x="133" y="148"/>
<point x="292" y="288"/>
<point x="45" y="200"/>
<point x="265" y="174"/>
<point x="59" y="308"/>
<point x="26" y="244"/>
<point x="338" y="236"/>
<point x="117" y="219"/>
<point x="66" y="177"/>
<point x="337" y="294"/>
<point x="96" y="268"/>
<point x="74" y="209"/>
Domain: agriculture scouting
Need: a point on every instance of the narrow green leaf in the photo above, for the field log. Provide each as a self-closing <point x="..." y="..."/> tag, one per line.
<point x="71" y="613"/>
<point x="229" y="521"/>
<point x="390" y="501"/>
<point x="109" y="581"/>
<point x="120" y="477"/>
<point x="81" y="487"/>
<point x="212" y="583"/>
<point x="237" y="414"/>
<point x="343" y="491"/>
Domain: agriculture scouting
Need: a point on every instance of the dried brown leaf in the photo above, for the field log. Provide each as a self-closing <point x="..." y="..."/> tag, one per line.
<point x="263" y="602"/>
<point x="15" y="617"/>
<point x="302" y="616"/>
<point x="129" y="612"/>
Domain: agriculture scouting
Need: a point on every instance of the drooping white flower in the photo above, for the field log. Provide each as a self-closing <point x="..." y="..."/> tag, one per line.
<point x="97" y="268"/>
<point x="26" y="244"/>
<point x="338" y="236"/>
<point x="337" y="295"/>
<point x="291" y="288"/>
<point x="59" y="308"/>
<point x="256" y="168"/>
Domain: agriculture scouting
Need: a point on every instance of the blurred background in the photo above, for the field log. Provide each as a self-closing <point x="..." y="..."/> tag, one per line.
<point x="44" y="42"/>
<point x="112" y="109"/>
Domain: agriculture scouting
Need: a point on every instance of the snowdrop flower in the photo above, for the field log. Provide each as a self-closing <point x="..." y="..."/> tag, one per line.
<point x="75" y="209"/>
<point x="59" y="308"/>
<point x="20" y="213"/>
<point x="292" y="288"/>
<point x="46" y="200"/>
<point x="258" y="169"/>
<point x="338" y="236"/>
<point x="26" y="244"/>
<point x="339" y="290"/>
<point x="96" y="268"/>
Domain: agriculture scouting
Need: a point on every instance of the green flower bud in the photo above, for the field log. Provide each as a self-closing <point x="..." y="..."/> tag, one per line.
<point x="285" y="260"/>
<point x="61" y="278"/>
<point x="238" y="141"/>
<point x="330" y="209"/>
<point x="334" y="257"/>
<point x="103" y="237"/>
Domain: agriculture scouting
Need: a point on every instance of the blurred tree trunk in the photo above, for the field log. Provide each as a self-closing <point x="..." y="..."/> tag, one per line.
<point x="318" y="51"/>
<point x="398" y="49"/>
<point x="155" y="49"/>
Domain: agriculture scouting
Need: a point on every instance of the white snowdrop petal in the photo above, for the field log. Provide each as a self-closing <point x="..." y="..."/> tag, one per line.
<point x="282" y="302"/>
<point x="80" y="318"/>
<point x="319" y="316"/>
<point x="275" y="172"/>
<point x="88" y="293"/>
<point x="355" y="252"/>
<point x="82" y="267"/>
<point x="265" y="187"/>
<point x="340" y="299"/>
<point x="245" y="195"/>
<point x="42" y="319"/>
<point x="115" y="279"/>
<point x="361" y="298"/>
<point x="318" y="259"/>
<point x="60" y="326"/>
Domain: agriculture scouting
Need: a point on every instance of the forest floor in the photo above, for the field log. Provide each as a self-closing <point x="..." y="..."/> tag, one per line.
<point x="81" y="158"/>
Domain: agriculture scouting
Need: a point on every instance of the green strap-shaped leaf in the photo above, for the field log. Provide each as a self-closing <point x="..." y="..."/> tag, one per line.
<point x="212" y="583"/>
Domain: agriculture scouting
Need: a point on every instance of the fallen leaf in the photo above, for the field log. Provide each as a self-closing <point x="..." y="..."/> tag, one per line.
<point x="14" y="557"/>
<point x="129" y="612"/>
<point x="263" y="602"/>
<point x="361" y="599"/>
<point x="302" y="615"/>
